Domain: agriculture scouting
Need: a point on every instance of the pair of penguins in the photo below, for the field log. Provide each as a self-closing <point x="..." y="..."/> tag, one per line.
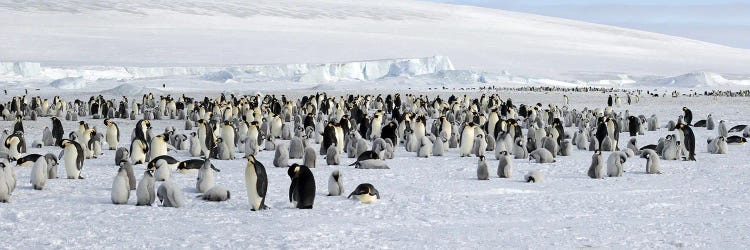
<point x="505" y="169"/>
<point x="302" y="188"/>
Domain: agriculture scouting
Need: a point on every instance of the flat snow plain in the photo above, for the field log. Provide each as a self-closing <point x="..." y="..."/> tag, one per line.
<point x="433" y="203"/>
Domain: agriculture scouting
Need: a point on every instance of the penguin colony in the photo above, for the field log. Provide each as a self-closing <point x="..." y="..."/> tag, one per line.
<point x="358" y="131"/>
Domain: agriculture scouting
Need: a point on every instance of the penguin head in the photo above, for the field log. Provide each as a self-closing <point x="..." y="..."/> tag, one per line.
<point x="152" y="165"/>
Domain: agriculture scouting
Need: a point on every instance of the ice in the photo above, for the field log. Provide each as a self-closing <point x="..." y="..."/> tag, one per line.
<point x="69" y="83"/>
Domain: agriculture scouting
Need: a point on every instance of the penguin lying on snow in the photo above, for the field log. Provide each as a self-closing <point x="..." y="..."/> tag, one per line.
<point x="216" y="193"/>
<point x="365" y="193"/>
<point x="541" y="155"/>
<point x="534" y="176"/>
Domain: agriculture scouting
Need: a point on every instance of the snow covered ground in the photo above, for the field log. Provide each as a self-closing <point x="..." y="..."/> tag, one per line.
<point x="426" y="203"/>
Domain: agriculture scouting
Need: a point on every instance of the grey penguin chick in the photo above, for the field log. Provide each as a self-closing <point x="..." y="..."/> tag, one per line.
<point x="145" y="193"/>
<point x="216" y="193"/>
<point x="597" y="166"/>
<point x="170" y="195"/>
<point x="335" y="184"/>
<point x="483" y="172"/>
<point x="505" y="166"/>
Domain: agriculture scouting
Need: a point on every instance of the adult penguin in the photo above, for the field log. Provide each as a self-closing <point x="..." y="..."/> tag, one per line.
<point x="688" y="115"/>
<point x="302" y="189"/>
<point x="256" y="183"/>
<point x="688" y="140"/>
<point x="329" y="138"/>
<point x="365" y="193"/>
<point x="634" y="125"/>
<point x="389" y="131"/>
<point x="112" y="134"/>
<point x="609" y="101"/>
<point x="73" y="158"/>
<point x="16" y="146"/>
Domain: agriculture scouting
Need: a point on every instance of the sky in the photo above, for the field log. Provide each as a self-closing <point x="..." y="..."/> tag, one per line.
<point x="718" y="21"/>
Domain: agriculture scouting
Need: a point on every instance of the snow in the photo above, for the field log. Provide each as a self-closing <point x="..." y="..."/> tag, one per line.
<point x="195" y="33"/>
<point x="427" y="203"/>
<point x="69" y="83"/>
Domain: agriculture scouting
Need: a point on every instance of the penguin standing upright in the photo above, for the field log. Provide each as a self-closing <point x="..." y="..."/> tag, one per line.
<point x="310" y="158"/>
<point x="688" y="140"/>
<point x="158" y="146"/>
<point x="205" y="179"/>
<point x="125" y="164"/>
<point x="39" y="173"/>
<point x="652" y="161"/>
<point x="57" y="131"/>
<point x="120" y="187"/>
<point x="597" y="166"/>
<point x="256" y="183"/>
<point x="73" y="158"/>
<point x="688" y="116"/>
<point x="505" y="166"/>
<point x="467" y="140"/>
<point x="302" y="189"/>
<point x="335" y="184"/>
<point x="228" y="136"/>
<point x="483" y="173"/>
<point x="138" y="151"/>
<point x="5" y="187"/>
<point x="614" y="164"/>
<point x="112" y="135"/>
<point x="145" y="192"/>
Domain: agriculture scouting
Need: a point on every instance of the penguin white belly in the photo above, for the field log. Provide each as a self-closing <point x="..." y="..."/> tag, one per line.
<point x="251" y="180"/>
<point x="112" y="138"/>
<point x="467" y="142"/>
<point x="188" y="171"/>
<point x="367" y="198"/>
<point x="71" y="167"/>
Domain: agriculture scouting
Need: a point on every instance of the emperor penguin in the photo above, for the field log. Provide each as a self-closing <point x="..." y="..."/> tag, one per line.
<point x="125" y="164"/>
<point x="170" y="195"/>
<point x="39" y="173"/>
<point x="57" y="130"/>
<point x="438" y="147"/>
<point x="717" y="145"/>
<point x="161" y="170"/>
<point x="335" y="184"/>
<point x="276" y="125"/>
<point x="365" y="193"/>
<point x="73" y="158"/>
<point x="47" y="138"/>
<point x="483" y="173"/>
<point x="566" y="149"/>
<point x="196" y="150"/>
<point x="467" y="140"/>
<point x="6" y="188"/>
<point x="519" y="149"/>
<point x="722" y="131"/>
<point x="534" y="176"/>
<point x="597" y="166"/>
<point x="121" y="154"/>
<point x="505" y="166"/>
<point x="710" y="123"/>
<point x="615" y="163"/>
<point x="332" y="155"/>
<point x="112" y="134"/>
<point x="542" y="155"/>
<point x="52" y="163"/>
<point x="138" y="151"/>
<point x="310" y="158"/>
<point x="256" y="183"/>
<point x="216" y="193"/>
<point x="425" y="147"/>
<point x="652" y="161"/>
<point x="302" y="189"/>
<point x="281" y="156"/>
<point x="145" y="193"/>
<point x="228" y="136"/>
<point x="205" y="179"/>
<point x="688" y="140"/>
<point x="158" y="146"/>
<point x="296" y="148"/>
<point x="120" y="187"/>
<point x="480" y="145"/>
<point x="16" y="146"/>
<point x="376" y="126"/>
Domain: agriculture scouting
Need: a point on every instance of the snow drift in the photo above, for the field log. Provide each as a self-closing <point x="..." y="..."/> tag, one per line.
<point x="69" y="83"/>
